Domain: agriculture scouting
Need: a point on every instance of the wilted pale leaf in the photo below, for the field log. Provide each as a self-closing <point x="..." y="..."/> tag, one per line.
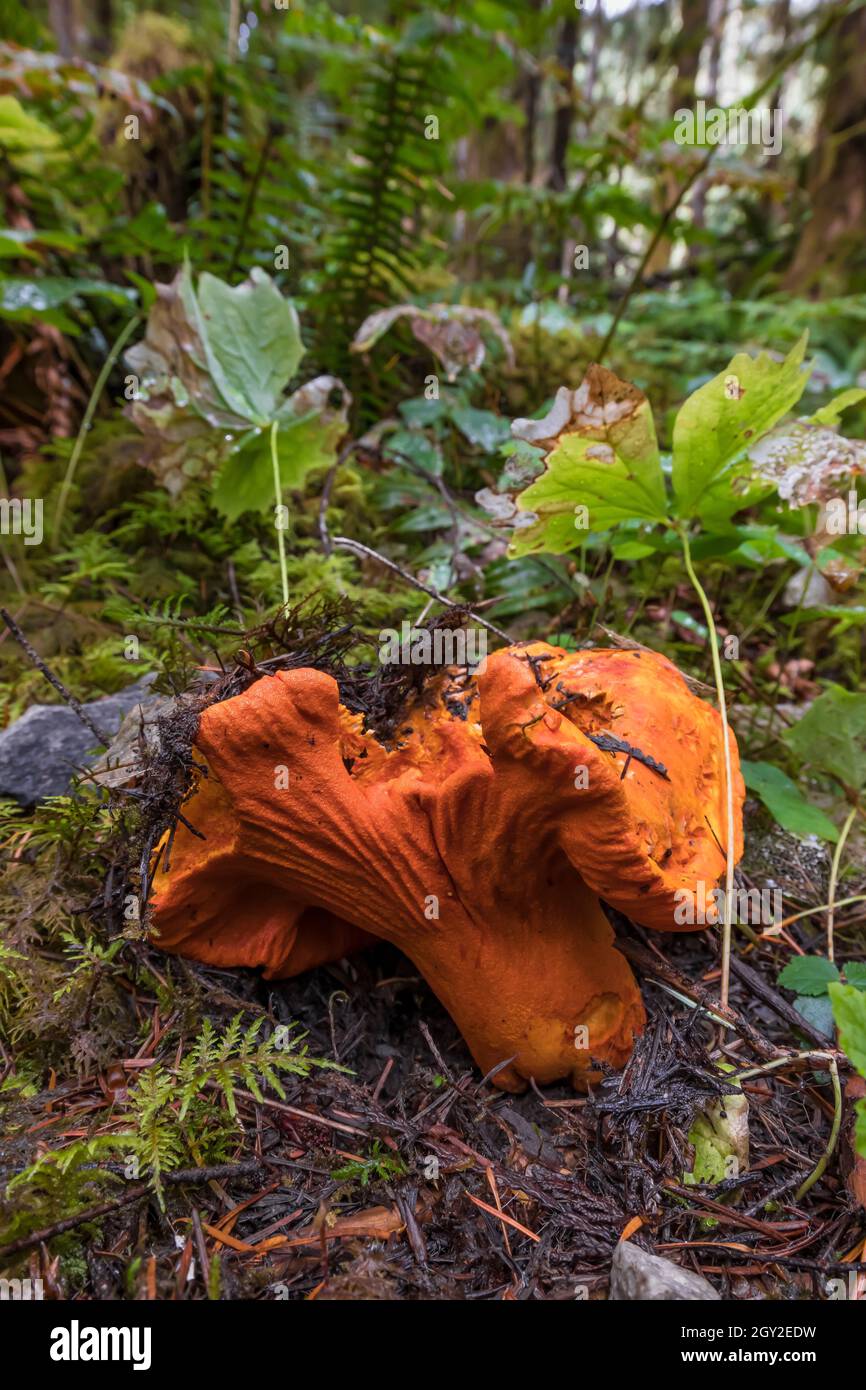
<point x="452" y="332"/>
<point x="171" y="365"/>
<point x="502" y="509"/>
<point x="806" y="462"/>
<point x="720" y="1136"/>
<point x="601" y="455"/>
<point x="211" y="365"/>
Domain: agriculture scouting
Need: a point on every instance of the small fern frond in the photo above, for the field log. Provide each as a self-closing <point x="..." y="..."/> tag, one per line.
<point x="379" y="207"/>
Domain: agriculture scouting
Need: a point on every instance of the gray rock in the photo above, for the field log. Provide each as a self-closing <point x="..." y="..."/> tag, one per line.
<point x="808" y="589"/>
<point x="636" y="1276"/>
<point x="41" y="751"/>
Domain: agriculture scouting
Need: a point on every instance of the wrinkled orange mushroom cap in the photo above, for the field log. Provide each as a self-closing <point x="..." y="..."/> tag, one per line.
<point x="478" y="843"/>
<point x="637" y="837"/>
<point x="208" y="907"/>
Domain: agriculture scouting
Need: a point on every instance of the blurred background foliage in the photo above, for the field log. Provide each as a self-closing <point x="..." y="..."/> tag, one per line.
<point x="517" y="158"/>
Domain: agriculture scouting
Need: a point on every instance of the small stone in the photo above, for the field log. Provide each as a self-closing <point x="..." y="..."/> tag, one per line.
<point x="808" y="589"/>
<point x="637" y="1276"/>
<point x="41" y="752"/>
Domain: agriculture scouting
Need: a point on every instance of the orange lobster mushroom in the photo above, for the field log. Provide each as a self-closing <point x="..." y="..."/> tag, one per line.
<point x="479" y="843"/>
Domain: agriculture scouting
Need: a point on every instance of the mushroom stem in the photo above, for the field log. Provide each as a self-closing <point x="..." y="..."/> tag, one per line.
<point x="724" y="988"/>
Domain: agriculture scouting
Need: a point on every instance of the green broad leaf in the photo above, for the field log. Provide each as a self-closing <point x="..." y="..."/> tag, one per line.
<point x="418" y="448"/>
<point x="631" y="550"/>
<point x="763" y="543"/>
<point x="246" y="480"/>
<point x="816" y="1010"/>
<point x="21" y="133"/>
<point x="602" y="467"/>
<point x="553" y="532"/>
<point x="523" y="585"/>
<point x="690" y="624"/>
<point x="713" y="544"/>
<point x="419" y="412"/>
<point x="846" y="617"/>
<point x="849" y="1011"/>
<point x="809" y="975"/>
<point x="434" y="516"/>
<point x="855" y="973"/>
<point x="145" y="287"/>
<point x="832" y="735"/>
<point x="27" y="299"/>
<point x="831" y="413"/>
<point x="481" y="427"/>
<point x="786" y="803"/>
<point x="252" y="340"/>
<point x="720" y="421"/>
<point x="18" y="243"/>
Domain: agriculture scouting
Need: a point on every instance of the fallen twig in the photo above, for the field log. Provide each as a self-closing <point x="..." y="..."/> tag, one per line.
<point x="346" y="544"/>
<point x="49" y="675"/>
<point x="142" y="1190"/>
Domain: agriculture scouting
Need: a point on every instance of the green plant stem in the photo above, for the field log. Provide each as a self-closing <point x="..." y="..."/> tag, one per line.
<point x="66" y="486"/>
<point x="729" y="776"/>
<point x="834" y="875"/>
<point x="833" y="1068"/>
<point x="278" y="492"/>
<point x="808" y="911"/>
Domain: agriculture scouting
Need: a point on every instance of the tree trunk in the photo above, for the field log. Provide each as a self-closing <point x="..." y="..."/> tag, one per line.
<point x="531" y="94"/>
<point x="836" y="183"/>
<point x="686" y="53"/>
<point x="102" y="27"/>
<point x="566" y="54"/>
<point x="718" y="14"/>
<point x="64" y="20"/>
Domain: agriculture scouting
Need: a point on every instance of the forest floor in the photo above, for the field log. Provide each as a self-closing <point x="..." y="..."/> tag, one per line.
<point x="403" y="1177"/>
